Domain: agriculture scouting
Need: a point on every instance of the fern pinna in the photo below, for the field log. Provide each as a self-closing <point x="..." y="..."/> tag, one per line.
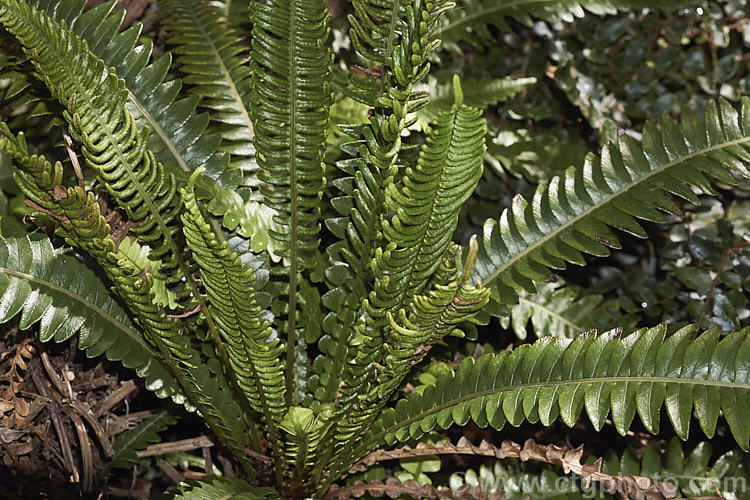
<point x="288" y="300"/>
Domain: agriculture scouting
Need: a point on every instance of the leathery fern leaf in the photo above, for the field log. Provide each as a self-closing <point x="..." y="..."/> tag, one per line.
<point x="66" y="298"/>
<point x="253" y="353"/>
<point x="211" y="56"/>
<point x="212" y="487"/>
<point x="291" y="73"/>
<point x="572" y="215"/>
<point x="95" y="110"/>
<point x="602" y="374"/>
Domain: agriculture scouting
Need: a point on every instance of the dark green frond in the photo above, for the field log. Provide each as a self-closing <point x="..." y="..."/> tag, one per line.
<point x="211" y="55"/>
<point x="472" y="19"/>
<point x="254" y="354"/>
<point x="555" y="378"/>
<point x="573" y="214"/>
<point x="127" y="443"/>
<point x="291" y="73"/>
<point x="44" y="285"/>
<point x="291" y="66"/>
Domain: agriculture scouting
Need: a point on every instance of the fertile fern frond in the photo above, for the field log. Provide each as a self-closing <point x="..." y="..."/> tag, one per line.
<point x="47" y="286"/>
<point x="426" y="208"/>
<point x="409" y="39"/>
<point x="557" y="377"/>
<point x="472" y="19"/>
<point x="572" y="215"/>
<point x="253" y="353"/>
<point x="210" y="54"/>
<point x="95" y="110"/>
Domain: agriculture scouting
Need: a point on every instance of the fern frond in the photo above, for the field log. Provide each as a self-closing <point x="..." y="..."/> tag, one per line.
<point x="304" y="431"/>
<point x="44" y="285"/>
<point x="557" y="377"/>
<point x="213" y="487"/>
<point x="572" y="215"/>
<point x="210" y="54"/>
<point x="471" y="21"/>
<point x="95" y="109"/>
<point x="554" y="310"/>
<point x="179" y="138"/>
<point x="291" y="96"/>
<point x="82" y="224"/>
<point x="402" y="44"/>
<point x="253" y="352"/>
<point x="426" y="209"/>
<point x="146" y="432"/>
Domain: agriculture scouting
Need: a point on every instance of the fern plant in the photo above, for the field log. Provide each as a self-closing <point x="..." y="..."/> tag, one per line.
<point x="204" y="242"/>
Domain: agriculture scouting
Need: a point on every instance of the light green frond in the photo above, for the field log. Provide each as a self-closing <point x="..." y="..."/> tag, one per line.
<point x="426" y="208"/>
<point x="554" y="310"/>
<point x="253" y="352"/>
<point x="573" y="214"/>
<point x="604" y="374"/>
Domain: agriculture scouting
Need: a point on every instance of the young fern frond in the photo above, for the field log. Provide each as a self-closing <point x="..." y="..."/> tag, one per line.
<point x="572" y="215"/>
<point x="599" y="373"/>
<point x="211" y="56"/>
<point x="291" y="68"/>
<point x="253" y="353"/>
<point x="410" y="39"/>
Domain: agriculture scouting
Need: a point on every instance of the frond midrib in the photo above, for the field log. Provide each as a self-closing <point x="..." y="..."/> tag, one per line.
<point x="290" y="395"/>
<point x="552" y="235"/>
<point x="622" y="379"/>
<point x="101" y="313"/>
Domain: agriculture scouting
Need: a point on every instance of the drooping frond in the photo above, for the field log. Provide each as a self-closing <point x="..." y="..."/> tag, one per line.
<point x="572" y="215"/>
<point x="291" y="67"/>
<point x="80" y="222"/>
<point x="602" y="374"/>
<point x="253" y="353"/>
<point x="210" y="54"/>
<point x="65" y="297"/>
<point x="472" y="19"/>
